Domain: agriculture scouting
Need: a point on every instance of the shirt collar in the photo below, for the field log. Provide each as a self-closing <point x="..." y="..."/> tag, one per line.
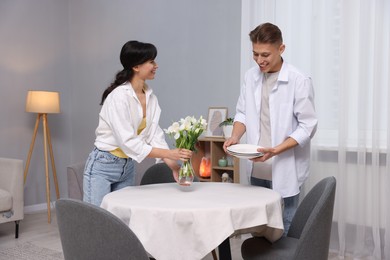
<point x="129" y="88"/>
<point x="283" y="73"/>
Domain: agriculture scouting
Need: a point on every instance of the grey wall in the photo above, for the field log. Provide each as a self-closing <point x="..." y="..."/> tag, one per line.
<point x="34" y="53"/>
<point x="73" y="47"/>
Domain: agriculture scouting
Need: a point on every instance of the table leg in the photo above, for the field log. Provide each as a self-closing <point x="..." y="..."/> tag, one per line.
<point x="224" y="250"/>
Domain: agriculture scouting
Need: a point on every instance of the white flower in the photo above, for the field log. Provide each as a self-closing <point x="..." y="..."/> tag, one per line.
<point x="193" y="120"/>
<point x="186" y="124"/>
<point x="186" y="131"/>
<point x="203" y="122"/>
<point x="175" y="127"/>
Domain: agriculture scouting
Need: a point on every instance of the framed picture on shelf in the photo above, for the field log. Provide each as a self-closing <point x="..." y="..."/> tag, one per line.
<point x="216" y="116"/>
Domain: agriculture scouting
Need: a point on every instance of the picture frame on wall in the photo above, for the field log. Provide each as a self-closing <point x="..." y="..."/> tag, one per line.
<point x="216" y="116"/>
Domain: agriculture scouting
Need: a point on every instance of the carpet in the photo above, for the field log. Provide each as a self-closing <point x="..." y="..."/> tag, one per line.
<point x="29" y="251"/>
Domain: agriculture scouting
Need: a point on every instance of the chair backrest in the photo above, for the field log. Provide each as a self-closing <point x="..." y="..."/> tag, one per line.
<point x="75" y="175"/>
<point x="159" y="173"/>
<point x="89" y="232"/>
<point x="312" y="222"/>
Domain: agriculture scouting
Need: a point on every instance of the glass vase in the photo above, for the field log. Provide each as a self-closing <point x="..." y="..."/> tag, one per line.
<point x="186" y="174"/>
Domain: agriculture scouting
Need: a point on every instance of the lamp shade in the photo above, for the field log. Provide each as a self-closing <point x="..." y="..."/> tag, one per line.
<point x="43" y="102"/>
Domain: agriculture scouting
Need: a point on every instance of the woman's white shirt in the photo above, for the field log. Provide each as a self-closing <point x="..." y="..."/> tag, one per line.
<point x="292" y="114"/>
<point x="119" y="118"/>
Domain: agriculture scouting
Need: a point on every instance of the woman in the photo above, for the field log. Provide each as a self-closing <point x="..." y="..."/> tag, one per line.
<point x="128" y="127"/>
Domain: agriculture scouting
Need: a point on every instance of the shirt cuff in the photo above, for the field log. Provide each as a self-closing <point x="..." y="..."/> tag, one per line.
<point x="146" y="151"/>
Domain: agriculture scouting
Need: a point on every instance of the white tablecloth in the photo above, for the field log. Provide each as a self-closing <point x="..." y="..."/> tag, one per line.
<point x="173" y="223"/>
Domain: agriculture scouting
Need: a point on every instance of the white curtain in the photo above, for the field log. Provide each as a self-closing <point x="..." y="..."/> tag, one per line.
<point x="344" y="45"/>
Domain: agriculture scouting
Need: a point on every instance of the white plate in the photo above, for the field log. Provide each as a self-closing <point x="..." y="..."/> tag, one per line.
<point x="244" y="151"/>
<point x="244" y="148"/>
<point x="246" y="156"/>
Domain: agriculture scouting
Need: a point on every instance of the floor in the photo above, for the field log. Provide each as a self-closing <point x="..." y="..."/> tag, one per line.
<point x="36" y="230"/>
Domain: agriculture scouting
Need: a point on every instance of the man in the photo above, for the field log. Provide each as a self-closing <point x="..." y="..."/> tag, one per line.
<point x="276" y="110"/>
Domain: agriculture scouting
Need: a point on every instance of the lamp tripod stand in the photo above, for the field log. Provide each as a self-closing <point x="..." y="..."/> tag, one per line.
<point x="46" y="143"/>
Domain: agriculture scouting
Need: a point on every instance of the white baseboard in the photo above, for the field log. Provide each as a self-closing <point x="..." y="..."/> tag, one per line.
<point x="37" y="208"/>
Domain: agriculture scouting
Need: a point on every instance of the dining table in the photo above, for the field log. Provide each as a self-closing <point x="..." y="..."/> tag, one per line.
<point x="178" y="222"/>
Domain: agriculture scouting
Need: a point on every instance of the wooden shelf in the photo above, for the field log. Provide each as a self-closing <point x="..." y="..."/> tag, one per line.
<point x="212" y="147"/>
<point x="229" y="168"/>
<point x="203" y="179"/>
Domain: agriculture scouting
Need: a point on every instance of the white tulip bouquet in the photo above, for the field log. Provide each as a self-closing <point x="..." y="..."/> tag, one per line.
<point x="186" y="132"/>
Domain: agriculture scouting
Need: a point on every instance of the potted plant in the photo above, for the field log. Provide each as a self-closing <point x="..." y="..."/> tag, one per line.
<point x="227" y="127"/>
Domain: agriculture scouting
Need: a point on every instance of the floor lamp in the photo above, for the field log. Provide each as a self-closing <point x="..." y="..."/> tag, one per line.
<point x="43" y="103"/>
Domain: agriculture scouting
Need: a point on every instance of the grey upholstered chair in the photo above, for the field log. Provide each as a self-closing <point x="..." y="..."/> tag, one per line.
<point x="89" y="232"/>
<point x="309" y="234"/>
<point x="75" y="175"/>
<point x="159" y="173"/>
<point x="11" y="192"/>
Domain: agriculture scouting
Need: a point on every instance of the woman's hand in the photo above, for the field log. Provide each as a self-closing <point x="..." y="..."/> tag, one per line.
<point x="180" y="154"/>
<point x="176" y="175"/>
<point x="174" y="167"/>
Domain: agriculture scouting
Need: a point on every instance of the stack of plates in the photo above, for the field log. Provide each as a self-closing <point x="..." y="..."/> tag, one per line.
<point x="244" y="151"/>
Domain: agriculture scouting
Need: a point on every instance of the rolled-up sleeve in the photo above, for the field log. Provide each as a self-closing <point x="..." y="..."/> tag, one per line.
<point x="304" y="111"/>
<point x="240" y="107"/>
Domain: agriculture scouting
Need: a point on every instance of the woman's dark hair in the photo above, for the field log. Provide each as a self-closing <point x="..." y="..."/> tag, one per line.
<point x="133" y="53"/>
<point x="266" y="33"/>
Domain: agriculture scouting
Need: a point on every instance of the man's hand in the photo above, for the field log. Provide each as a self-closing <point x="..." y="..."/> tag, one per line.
<point x="232" y="140"/>
<point x="268" y="152"/>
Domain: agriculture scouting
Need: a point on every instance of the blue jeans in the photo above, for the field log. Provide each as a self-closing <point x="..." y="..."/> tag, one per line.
<point x="105" y="172"/>
<point x="290" y="203"/>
